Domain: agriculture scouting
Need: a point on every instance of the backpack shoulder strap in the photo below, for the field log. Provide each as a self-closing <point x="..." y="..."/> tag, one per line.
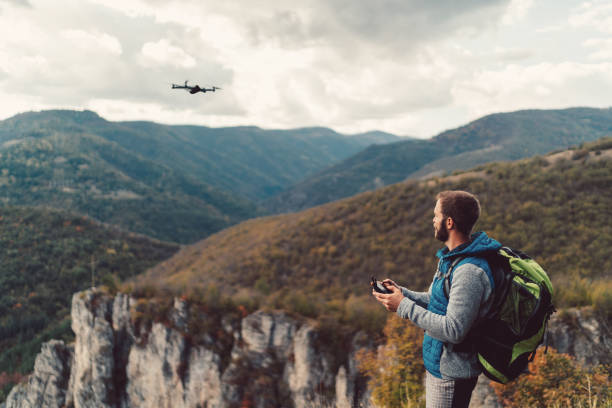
<point x="497" y="265"/>
<point x="447" y="282"/>
<point x="502" y="277"/>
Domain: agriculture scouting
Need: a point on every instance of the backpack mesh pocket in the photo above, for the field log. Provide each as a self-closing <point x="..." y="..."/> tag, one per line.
<point x="520" y="305"/>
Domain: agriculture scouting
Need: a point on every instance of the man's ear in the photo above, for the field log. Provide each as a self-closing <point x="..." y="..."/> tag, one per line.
<point x="450" y="223"/>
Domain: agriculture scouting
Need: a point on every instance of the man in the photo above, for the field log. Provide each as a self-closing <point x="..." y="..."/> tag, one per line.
<point x="451" y="363"/>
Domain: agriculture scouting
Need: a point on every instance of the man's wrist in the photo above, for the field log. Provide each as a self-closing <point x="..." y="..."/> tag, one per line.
<point x="404" y="307"/>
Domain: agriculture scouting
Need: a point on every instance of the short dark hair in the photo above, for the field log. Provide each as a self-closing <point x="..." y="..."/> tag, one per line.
<point x="462" y="207"/>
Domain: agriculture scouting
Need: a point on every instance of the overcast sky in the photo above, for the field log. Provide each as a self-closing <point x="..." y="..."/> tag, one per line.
<point x="409" y="67"/>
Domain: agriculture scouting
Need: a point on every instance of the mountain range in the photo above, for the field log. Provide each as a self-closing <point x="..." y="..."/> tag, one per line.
<point x="175" y="183"/>
<point x="183" y="183"/>
<point x="501" y="136"/>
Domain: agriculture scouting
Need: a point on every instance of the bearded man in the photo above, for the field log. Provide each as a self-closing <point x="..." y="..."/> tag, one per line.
<point x="461" y="293"/>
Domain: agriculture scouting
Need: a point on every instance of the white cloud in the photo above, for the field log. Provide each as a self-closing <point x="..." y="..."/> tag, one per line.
<point x="331" y="23"/>
<point x="516" y="11"/>
<point x="162" y="53"/>
<point x="409" y="67"/>
<point x="541" y="90"/>
<point x="551" y="28"/>
<point x="24" y="66"/>
<point x="22" y="3"/>
<point x="16" y="30"/>
<point x="601" y="48"/>
<point x="542" y="85"/>
<point x="119" y="109"/>
<point x="92" y="41"/>
<point x="594" y="15"/>
<point x="131" y="8"/>
<point x="512" y="54"/>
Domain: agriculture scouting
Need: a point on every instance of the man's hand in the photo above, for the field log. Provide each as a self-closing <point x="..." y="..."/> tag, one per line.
<point x="388" y="282"/>
<point x="392" y="300"/>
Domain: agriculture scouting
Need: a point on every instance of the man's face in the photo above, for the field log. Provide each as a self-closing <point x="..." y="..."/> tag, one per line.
<point x="439" y="224"/>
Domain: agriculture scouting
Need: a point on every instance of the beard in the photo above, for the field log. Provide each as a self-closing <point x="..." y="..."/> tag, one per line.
<point x="441" y="233"/>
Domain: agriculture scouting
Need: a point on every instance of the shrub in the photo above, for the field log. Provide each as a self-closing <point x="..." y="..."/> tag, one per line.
<point x="584" y="292"/>
<point x="362" y="313"/>
<point x="602" y="297"/>
<point x="396" y="369"/>
<point x="579" y="154"/>
<point x="557" y="380"/>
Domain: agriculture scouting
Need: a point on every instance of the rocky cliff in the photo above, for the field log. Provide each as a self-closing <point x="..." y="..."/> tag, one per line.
<point x="271" y="360"/>
<point x="274" y="361"/>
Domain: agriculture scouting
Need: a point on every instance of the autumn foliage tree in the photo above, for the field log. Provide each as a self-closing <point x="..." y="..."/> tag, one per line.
<point x="557" y="380"/>
<point x="395" y="370"/>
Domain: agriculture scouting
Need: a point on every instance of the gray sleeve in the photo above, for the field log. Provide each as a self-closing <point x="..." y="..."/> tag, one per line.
<point x="420" y="298"/>
<point x="470" y="289"/>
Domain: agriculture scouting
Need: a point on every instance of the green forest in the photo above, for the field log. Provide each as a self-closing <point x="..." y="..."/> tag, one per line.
<point x="86" y="174"/>
<point x="244" y="161"/>
<point x="174" y="183"/>
<point x="46" y="256"/>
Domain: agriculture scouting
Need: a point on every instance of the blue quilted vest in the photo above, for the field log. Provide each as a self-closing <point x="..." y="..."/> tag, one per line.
<point x="438" y="302"/>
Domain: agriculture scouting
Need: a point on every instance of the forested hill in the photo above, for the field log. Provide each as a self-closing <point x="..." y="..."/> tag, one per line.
<point x="318" y="262"/>
<point x="502" y="136"/>
<point x="57" y="162"/>
<point x="251" y="162"/>
<point x="47" y="255"/>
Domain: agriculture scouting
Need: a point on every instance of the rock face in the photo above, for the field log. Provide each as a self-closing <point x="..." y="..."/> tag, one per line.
<point x="581" y="334"/>
<point x="483" y="395"/>
<point x="92" y="376"/>
<point x="269" y="360"/>
<point x="274" y="361"/>
<point x="47" y="386"/>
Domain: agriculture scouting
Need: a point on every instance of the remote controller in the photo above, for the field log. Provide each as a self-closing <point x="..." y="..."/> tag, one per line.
<point x="379" y="287"/>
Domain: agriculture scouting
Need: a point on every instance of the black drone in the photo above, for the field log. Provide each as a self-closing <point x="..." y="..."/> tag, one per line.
<point x="194" y="89"/>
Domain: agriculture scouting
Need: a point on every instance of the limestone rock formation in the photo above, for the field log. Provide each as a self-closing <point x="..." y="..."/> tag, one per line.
<point x="581" y="333"/>
<point x="273" y="360"/>
<point x="267" y="359"/>
<point x="483" y="395"/>
<point x="92" y="376"/>
<point x="47" y="386"/>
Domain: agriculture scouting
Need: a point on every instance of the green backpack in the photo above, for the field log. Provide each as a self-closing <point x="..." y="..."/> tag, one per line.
<point x="507" y="338"/>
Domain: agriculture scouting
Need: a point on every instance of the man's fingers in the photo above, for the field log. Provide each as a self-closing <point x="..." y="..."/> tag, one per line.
<point x="390" y="282"/>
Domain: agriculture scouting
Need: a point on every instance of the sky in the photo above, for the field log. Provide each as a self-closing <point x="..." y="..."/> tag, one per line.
<point x="407" y="67"/>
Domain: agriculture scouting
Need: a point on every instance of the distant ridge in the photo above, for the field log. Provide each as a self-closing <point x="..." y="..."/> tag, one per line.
<point x="378" y="137"/>
<point x="501" y="136"/>
<point x="60" y="159"/>
<point x="176" y="183"/>
<point x="249" y="161"/>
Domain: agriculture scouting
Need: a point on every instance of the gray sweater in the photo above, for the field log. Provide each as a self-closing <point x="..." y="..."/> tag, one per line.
<point x="469" y="299"/>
